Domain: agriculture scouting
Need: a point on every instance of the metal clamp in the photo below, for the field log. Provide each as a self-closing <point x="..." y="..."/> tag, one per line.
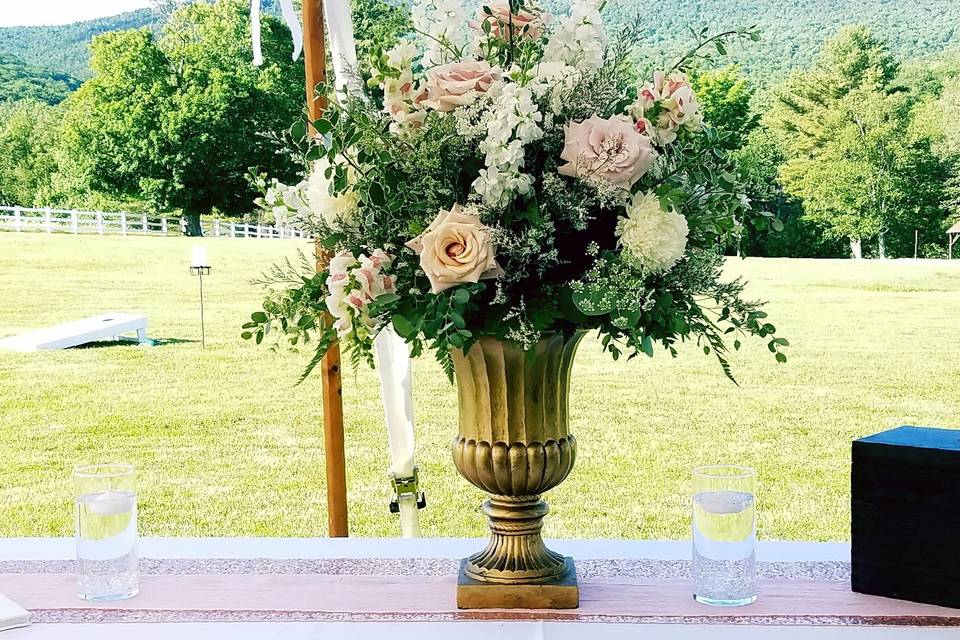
<point x="407" y="486"/>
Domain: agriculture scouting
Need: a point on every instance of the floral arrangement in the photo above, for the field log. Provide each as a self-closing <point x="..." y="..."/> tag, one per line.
<point x="511" y="173"/>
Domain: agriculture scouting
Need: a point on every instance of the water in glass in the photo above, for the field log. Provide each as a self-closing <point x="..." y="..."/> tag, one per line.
<point x="724" y="541"/>
<point x="107" y="562"/>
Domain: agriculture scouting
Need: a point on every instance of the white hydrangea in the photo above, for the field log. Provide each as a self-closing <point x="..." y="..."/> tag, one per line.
<point x="579" y="39"/>
<point x="514" y="121"/>
<point x="336" y="211"/>
<point x="445" y="23"/>
<point x="653" y="238"/>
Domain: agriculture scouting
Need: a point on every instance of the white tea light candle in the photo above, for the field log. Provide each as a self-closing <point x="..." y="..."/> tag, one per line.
<point x="200" y="257"/>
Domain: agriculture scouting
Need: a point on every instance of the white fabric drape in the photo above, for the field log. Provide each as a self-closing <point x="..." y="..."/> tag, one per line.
<point x="396" y="387"/>
<point x="393" y="354"/>
<point x="343" y="48"/>
<point x="293" y="23"/>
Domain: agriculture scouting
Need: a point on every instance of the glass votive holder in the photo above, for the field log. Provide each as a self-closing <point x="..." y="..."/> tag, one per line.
<point x="724" y="535"/>
<point x="106" y="532"/>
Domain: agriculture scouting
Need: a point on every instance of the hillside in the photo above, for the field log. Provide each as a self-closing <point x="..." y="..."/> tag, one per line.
<point x="20" y="81"/>
<point x="793" y="30"/>
<point x="63" y="49"/>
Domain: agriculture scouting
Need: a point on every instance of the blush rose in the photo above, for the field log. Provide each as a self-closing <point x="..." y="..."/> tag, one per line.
<point x="455" y="249"/>
<point x="457" y="84"/>
<point x="611" y="151"/>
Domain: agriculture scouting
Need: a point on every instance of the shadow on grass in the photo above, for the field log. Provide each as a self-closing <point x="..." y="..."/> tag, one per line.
<point x="152" y="342"/>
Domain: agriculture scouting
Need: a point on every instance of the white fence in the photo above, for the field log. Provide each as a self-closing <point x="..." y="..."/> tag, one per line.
<point x="102" y="223"/>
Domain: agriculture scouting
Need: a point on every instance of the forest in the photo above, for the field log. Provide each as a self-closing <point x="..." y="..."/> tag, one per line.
<point x="794" y="30"/>
<point x="849" y="135"/>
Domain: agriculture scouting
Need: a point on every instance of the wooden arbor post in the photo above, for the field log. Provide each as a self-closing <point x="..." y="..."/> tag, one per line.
<point x="315" y="61"/>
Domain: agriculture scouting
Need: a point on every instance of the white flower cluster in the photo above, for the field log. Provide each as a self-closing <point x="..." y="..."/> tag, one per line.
<point x="355" y="282"/>
<point x="312" y="198"/>
<point x="445" y="23"/>
<point x="470" y="119"/>
<point x="654" y="238"/>
<point x="579" y="40"/>
<point x="282" y="200"/>
<point x="556" y="81"/>
<point x="336" y="210"/>
<point x="514" y="121"/>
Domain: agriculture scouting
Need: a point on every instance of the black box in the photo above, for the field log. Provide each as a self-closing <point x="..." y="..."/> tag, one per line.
<point x="905" y="515"/>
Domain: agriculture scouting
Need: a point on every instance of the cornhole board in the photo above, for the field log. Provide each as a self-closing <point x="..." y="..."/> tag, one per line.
<point x="78" y="332"/>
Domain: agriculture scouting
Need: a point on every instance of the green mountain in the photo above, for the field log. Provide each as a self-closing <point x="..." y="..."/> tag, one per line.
<point x="64" y="48"/>
<point x="20" y="81"/>
<point x="793" y="31"/>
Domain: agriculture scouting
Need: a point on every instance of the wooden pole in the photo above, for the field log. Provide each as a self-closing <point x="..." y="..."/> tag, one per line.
<point x="315" y="60"/>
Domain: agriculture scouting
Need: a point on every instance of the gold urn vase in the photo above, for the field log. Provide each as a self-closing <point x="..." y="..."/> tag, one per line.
<point x="515" y="444"/>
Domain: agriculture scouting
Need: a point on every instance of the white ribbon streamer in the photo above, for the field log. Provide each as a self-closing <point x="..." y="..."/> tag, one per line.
<point x="343" y="48"/>
<point x="396" y="386"/>
<point x="293" y="23"/>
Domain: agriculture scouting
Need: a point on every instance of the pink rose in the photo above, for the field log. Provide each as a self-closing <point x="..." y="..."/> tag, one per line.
<point x="611" y="151"/>
<point x="457" y="84"/>
<point x="455" y="249"/>
<point x="525" y="23"/>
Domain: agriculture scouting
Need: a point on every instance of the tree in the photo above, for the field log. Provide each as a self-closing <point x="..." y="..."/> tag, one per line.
<point x="28" y="131"/>
<point x="112" y="125"/>
<point x="843" y="128"/>
<point x="179" y="120"/>
<point x="870" y="179"/>
<point x="725" y="95"/>
<point x="20" y="81"/>
<point x="378" y="25"/>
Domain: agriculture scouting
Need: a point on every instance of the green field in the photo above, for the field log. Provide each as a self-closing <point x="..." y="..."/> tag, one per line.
<point x="228" y="446"/>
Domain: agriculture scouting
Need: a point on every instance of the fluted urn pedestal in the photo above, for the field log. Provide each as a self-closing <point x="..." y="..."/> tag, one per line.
<point x="515" y="444"/>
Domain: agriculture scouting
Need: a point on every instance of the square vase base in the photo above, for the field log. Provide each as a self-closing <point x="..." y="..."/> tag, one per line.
<point x="561" y="594"/>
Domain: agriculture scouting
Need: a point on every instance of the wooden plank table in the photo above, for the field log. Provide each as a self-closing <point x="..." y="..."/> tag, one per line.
<point x="315" y="588"/>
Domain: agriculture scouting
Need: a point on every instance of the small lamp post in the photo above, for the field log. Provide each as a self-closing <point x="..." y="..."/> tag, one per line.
<point x="200" y="266"/>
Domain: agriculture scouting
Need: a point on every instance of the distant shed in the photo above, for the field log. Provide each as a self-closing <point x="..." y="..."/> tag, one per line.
<point x="953" y="235"/>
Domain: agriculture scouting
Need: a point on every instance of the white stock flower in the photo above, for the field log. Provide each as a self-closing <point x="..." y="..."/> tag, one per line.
<point x="336" y="211"/>
<point x="445" y="23"/>
<point x="652" y="237"/>
<point x="514" y="122"/>
<point x="579" y="39"/>
<point x="402" y="54"/>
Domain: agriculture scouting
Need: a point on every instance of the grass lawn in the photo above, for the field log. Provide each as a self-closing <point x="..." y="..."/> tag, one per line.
<point x="226" y="444"/>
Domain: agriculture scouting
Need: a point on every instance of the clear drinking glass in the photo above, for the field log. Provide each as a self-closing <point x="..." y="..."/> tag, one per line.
<point x="106" y="510"/>
<point x="724" y="535"/>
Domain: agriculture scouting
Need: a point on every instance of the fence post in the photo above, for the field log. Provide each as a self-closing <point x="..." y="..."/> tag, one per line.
<point x="47" y="221"/>
<point x="146" y="224"/>
<point x="75" y="221"/>
<point x="163" y="226"/>
<point x="233" y="229"/>
<point x="216" y="228"/>
<point x="183" y="226"/>
<point x="100" y="222"/>
<point x="259" y="231"/>
<point x="17" y="220"/>
<point x="123" y="223"/>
